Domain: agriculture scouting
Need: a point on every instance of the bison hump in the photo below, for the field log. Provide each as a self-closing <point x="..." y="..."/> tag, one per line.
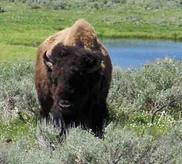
<point x="81" y="33"/>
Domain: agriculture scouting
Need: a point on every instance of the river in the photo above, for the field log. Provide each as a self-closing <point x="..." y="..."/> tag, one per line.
<point x="133" y="53"/>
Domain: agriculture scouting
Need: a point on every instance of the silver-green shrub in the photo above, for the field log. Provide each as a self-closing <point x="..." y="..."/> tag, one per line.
<point x="133" y="96"/>
<point x="118" y="146"/>
<point x="94" y="4"/>
<point x="149" y="88"/>
<point x="17" y="90"/>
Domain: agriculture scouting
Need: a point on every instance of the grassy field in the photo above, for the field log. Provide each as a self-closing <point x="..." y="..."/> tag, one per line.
<point x="135" y="95"/>
<point x="25" y="25"/>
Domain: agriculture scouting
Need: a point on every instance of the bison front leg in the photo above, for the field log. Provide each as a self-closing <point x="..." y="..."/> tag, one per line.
<point x="45" y="104"/>
<point x="99" y="116"/>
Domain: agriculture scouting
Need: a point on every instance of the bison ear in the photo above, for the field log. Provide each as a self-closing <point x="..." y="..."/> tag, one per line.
<point x="47" y="62"/>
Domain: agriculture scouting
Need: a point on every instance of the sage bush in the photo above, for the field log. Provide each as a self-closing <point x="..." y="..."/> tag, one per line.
<point x="130" y="137"/>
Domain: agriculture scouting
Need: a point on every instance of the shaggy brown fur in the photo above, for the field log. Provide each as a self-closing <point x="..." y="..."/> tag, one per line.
<point x="65" y="56"/>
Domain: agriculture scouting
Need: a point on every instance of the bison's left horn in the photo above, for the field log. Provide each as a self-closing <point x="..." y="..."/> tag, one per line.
<point x="47" y="61"/>
<point x="96" y="67"/>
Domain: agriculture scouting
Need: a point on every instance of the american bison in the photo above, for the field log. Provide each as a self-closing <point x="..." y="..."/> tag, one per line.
<point x="72" y="78"/>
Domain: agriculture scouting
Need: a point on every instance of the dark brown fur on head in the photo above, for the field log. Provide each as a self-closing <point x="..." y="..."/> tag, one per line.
<point x="76" y="77"/>
<point x="82" y="57"/>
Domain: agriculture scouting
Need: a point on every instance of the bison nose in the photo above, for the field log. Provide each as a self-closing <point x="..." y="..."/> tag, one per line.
<point x="64" y="103"/>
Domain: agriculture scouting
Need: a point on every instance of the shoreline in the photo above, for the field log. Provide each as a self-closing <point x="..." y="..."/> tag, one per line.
<point x="143" y="37"/>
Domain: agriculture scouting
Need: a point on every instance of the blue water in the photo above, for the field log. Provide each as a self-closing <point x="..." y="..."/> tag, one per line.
<point x="133" y="53"/>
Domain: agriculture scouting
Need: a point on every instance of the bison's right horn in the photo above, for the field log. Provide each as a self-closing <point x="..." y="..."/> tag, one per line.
<point x="47" y="62"/>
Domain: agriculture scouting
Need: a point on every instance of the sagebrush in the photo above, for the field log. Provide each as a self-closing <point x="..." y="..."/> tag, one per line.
<point x="130" y="137"/>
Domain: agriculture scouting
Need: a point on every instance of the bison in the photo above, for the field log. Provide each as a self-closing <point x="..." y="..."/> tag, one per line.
<point x="72" y="78"/>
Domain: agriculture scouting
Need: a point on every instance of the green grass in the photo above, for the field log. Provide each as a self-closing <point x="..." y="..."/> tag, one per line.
<point x="17" y="129"/>
<point x="16" y="52"/>
<point x="23" y="28"/>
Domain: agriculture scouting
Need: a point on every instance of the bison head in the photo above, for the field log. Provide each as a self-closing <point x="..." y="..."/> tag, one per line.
<point x="75" y="76"/>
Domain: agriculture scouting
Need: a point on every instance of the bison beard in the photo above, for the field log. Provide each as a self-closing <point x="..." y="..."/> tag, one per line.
<point x="75" y="88"/>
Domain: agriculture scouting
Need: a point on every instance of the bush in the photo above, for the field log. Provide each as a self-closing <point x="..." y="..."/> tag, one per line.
<point x="119" y="146"/>
<point x="93" y="4"/>
<point x="17" y="90"/>
<point x="133" y="95"/>
<point x="79" y="4"/>
<point x="152" y="87"/>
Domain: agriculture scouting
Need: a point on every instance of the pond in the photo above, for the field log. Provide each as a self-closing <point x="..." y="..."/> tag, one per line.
<point x="133" y="53"/>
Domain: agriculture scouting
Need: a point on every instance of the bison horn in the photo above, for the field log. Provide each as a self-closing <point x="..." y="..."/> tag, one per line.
<point x="96" y="68"/>
<point x="47" y="61"/>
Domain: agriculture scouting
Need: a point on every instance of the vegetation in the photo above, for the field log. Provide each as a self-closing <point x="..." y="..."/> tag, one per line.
<point x="26" y="23"/>
<point x="137" y="96"/>
<point x="130" y="136"/>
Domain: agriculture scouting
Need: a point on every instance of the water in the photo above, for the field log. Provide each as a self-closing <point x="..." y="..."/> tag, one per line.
<point x="133" y="53"/>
